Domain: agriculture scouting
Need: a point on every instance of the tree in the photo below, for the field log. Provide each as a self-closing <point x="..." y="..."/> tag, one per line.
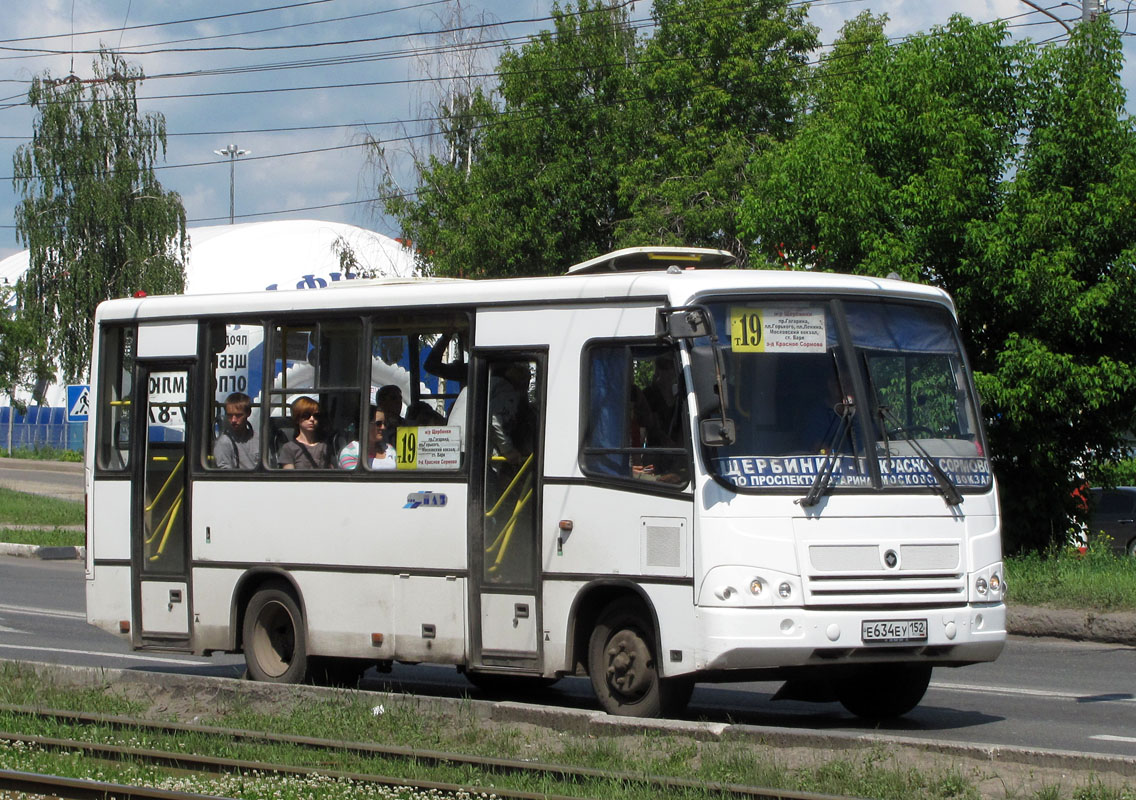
<point x="539" y="190"/>
<point x="1004" y="175"/>
<point x="720" y="80"/>
<point x="95" y="219"/>
<point x="595" y="140"/>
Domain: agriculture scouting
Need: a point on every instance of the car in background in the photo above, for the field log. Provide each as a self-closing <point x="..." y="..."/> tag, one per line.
<point x="1112" y="512"/>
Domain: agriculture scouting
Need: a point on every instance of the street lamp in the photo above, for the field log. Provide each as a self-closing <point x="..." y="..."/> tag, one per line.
<point x="233" y="152"/>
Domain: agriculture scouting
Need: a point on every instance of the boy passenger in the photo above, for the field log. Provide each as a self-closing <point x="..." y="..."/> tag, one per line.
<point x="238" y="446"/>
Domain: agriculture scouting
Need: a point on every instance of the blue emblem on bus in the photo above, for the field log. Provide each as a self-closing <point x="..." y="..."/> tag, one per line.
<point x="416" y="499"/>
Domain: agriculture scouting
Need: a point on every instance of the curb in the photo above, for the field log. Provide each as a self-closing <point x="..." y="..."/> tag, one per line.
<point x="46" y="553"/>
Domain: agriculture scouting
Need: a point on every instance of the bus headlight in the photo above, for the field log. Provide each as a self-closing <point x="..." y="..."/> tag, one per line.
<point x="987" y="585"/>
<point x="785" y="590"/>
<point x="755" y="587"/>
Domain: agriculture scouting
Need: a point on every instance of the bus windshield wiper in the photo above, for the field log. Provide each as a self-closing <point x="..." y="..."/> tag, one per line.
<point x="823" y="477"/>
<point x="949" y="491"/>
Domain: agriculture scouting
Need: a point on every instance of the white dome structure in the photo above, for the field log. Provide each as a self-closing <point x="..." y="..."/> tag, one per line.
<point x="280" y="255"/>
<point x="276" y="255"/>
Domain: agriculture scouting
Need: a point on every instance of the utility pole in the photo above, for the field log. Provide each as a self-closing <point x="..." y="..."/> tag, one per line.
<point x="1090" y="10"/>
<point x="233" y="152"/>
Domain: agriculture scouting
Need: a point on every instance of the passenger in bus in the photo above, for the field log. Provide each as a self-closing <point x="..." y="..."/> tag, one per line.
<point x="238" y="446"/>
<point x="511" y="424"/>
<point x="455" y="371"/>
<point x="389" y="399"/>
<point x="420" y="413"/>
<point x="307" y="450"/>
<point x="381" y="454"/>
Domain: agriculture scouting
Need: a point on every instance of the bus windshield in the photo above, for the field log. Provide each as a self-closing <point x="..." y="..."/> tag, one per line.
<point x="875" y="393"/>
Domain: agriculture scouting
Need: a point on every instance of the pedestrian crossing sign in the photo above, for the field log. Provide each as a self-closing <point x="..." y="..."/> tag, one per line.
<point x="78" y="402"/>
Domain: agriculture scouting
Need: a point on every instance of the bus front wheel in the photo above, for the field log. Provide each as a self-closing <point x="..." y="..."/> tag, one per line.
<point x="623" y="665"/>
<point x="275" y="641"/>
<point x="883" y="691"/>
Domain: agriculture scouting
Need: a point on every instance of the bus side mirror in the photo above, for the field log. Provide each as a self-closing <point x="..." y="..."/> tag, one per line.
<point x="718" y="432"/>
<point x="688" y="323"/>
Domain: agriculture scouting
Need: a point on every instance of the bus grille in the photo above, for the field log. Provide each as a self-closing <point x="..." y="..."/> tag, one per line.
<point x="922" y="574"/>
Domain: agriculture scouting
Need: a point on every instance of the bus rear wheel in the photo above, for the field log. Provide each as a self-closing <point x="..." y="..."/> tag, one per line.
<point x="883" y="691"/>
<point x="275" y="641"/>
<point x="623" y="665"/>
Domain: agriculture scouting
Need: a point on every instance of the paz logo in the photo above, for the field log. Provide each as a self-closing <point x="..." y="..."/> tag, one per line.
<point x="418" y="499"/>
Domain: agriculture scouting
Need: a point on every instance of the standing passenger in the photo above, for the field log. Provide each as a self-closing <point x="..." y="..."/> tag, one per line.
<point x="238" y="446"/>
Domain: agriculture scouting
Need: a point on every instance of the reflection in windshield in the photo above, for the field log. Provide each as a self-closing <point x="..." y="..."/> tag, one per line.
<point x="793" y="376"/>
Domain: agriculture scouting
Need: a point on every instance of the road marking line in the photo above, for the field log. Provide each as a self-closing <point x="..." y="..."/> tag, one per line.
<point x="127" y="656"/>
<point x="1105" y="737"/>
<point x="978" y="689"/>
<point x="11" y="630"/>
<point x="43" y="612"/>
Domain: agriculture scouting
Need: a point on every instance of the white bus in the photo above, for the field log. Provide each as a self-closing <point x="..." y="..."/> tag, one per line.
<point x="652" y="470"/>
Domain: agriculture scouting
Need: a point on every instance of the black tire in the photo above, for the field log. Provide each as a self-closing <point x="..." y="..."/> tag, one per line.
<point x="274" y="638"/>
<point x="623" y="665"/>
<point x="496" y="683"/>
<point x="883" y="691"/>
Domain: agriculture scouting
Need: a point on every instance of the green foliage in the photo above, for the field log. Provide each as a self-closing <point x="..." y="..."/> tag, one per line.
<point x="595" y="140"/>
<point x="1062" y="577"/>
<point x="1006" y="176"/>
<point x="95" y="220"/>
<point x="16" y="345"/>
<point x="720" y="82"/>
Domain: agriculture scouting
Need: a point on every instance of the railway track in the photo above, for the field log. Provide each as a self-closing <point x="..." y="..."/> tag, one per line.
<point x="578" y="778"/>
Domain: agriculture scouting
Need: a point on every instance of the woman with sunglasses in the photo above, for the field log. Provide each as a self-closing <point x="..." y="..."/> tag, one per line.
<point x="380" y="453"/>
<point x="307" y="450"/>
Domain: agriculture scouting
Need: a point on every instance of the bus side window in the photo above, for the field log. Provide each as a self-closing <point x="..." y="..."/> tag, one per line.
<point x="236" y="386"/>
<point x="318" y="360"/>
<point x="116" y="395"/>
<point x="634" y="415"/>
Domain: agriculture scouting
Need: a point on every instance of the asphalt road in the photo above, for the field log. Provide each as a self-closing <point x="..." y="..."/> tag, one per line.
<point x="1041" y="693"/>
<point x="54" y="478"/>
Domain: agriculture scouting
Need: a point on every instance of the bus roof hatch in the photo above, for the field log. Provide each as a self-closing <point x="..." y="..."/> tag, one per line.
<point x="649" y="259"/>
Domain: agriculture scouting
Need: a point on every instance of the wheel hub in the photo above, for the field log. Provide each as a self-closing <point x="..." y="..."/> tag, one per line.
<point x="628" y="664"/>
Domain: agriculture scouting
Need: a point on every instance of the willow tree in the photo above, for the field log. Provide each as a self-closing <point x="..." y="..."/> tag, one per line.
<point x="95" y="219"/>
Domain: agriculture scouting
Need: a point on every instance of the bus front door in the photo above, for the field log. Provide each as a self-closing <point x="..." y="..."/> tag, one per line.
<point x="505" y="545"/>
<point x="160" y="527"/>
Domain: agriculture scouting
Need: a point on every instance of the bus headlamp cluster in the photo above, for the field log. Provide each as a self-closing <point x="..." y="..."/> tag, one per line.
<point x="987" y="585"/>
<point x="726" y="586"/>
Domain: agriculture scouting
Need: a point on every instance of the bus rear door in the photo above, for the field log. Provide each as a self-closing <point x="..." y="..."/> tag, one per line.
<point x="161" y="503"/>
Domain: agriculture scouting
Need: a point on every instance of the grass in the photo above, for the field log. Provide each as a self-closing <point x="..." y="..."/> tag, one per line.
<point x="19" y="508"/>
<point x="1065" y="578"/>
<point x="876" y="772"/>
<point x="43" y="454"/>
<point x="43" y="537"/>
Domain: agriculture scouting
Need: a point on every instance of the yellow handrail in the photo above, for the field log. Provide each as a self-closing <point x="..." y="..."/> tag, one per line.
<point x="165" y="485"/>
<point x="168" y="519"/>
<point x="507" y="532"/>
<point x="508" y="489"/>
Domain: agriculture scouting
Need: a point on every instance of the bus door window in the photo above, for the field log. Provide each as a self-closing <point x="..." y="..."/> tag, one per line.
<point x="237" y="382"/>
<point x="319" y="361"/>
<point x="512" y="428"/>
<point x="116" y="396"/>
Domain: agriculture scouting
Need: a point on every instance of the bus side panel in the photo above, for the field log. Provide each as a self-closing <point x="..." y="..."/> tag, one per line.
<point x="364" y="559"/>
<point x="619" y="537"/>
<point x="109" y="585"/>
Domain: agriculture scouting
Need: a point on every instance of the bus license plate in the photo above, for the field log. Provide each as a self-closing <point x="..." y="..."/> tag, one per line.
<point x="894" y="630"/>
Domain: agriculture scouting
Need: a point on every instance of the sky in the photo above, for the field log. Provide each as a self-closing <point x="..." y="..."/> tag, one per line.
<point x="300" y="83"/>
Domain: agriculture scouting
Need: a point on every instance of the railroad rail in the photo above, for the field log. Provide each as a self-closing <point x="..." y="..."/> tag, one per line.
<point x="202" y="763"/>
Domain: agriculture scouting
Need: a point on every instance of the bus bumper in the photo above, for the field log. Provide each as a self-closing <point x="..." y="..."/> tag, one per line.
<point x="749" y="638"/>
